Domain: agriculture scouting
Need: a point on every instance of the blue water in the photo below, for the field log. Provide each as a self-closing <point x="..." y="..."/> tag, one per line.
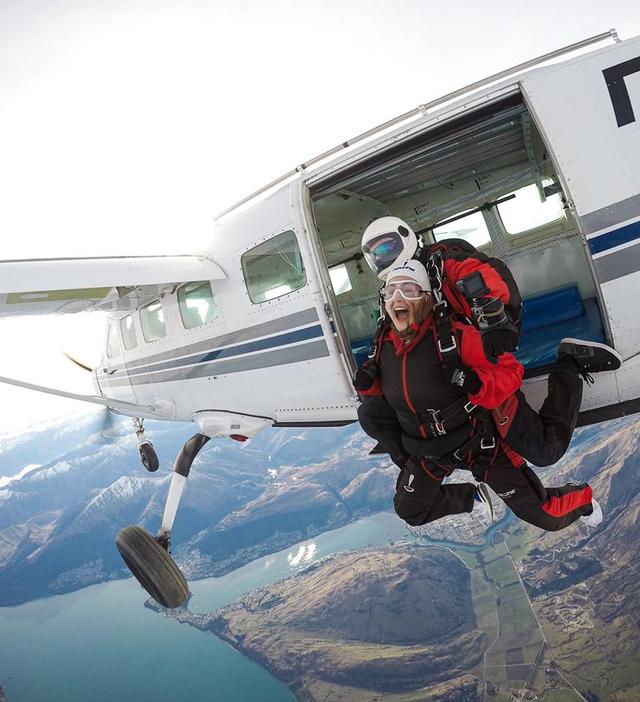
<point x="101" y="644"/>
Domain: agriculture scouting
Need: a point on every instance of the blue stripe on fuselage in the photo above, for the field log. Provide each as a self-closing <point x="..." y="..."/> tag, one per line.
<point x="607" y="241"/>
<point x="219" y="354"/>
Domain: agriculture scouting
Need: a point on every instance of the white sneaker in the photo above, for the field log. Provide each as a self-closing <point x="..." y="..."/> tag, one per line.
<point x="482" y="506"/>
<point x="595" y="518"/>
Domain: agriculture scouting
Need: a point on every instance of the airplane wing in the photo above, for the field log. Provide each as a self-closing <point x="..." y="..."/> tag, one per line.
<point x="130" y="408"/>
<point x="111" y="283"/>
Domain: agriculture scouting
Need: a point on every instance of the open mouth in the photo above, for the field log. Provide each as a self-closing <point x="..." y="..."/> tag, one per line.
<point x="401" y="313"/>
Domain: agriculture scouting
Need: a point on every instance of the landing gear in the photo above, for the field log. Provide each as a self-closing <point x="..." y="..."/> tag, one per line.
<point x="152" y="566"/>
<point x="146" y="556"/>
<point x="148" y="455"/>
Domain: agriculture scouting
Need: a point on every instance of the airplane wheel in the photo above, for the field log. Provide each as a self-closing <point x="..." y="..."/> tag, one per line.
<point x="149" y="457"/>
<point x="152" y="567"/>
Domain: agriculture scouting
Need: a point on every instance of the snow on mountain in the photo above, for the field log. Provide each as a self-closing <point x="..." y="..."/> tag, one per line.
<point x="56" y="469"/>
<point x="5" y="480"/>
<point x="91" y="484"/>
<point x="122" y="490"/>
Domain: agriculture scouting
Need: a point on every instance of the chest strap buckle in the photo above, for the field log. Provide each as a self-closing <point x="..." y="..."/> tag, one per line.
<point x="437" y="422"/>
<point x="451" y="345"/>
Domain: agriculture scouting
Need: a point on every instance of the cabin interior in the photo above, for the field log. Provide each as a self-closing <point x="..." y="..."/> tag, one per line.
<point x="489" y="172"/>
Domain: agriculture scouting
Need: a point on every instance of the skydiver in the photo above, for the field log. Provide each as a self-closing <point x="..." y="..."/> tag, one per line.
<point x="435" y="412"/>
<point x="540" y="437"/>
<point x="388" y="241"/>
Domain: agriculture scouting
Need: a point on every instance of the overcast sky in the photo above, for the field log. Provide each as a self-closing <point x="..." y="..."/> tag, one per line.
<point x="125" y="126"/>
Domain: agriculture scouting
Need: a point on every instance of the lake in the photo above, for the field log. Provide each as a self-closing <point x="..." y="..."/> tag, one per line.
<point x="102" y="644"/>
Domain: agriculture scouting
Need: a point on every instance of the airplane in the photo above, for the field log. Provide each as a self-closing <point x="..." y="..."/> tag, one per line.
<point x="536" y="165"/>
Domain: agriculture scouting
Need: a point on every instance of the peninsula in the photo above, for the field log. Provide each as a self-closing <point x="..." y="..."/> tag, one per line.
<point x="384" y="624"/>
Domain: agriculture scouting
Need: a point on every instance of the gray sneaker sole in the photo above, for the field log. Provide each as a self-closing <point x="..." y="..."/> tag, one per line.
<point x="486" y="495"/>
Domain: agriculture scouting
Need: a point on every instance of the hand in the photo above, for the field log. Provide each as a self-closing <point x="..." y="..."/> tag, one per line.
<point x="497" y="341"/>
<point x="365" y="377"/>
<point x="460" y="376"/>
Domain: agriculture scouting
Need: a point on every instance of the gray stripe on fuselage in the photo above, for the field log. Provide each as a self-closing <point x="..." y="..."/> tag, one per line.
<point x="611" y="215"/>
<point x="247" y="334"/>
<point x="618" y="263"/>
<point x="268" y="359"/>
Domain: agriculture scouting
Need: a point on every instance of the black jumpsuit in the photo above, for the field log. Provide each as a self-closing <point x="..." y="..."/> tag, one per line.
<point x="413" y="384"/>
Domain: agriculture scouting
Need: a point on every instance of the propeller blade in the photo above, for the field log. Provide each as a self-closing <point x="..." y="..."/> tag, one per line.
<point x="78" y="363"/>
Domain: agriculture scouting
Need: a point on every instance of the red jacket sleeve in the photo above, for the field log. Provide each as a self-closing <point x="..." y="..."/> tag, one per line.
<point x="499" y="380"/>
<point x="457" y="270"/>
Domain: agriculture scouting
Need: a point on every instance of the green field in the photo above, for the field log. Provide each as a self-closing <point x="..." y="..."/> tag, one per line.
<point x="504" y="613"/>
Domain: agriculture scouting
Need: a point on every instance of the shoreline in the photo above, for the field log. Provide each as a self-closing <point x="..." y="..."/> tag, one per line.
<point x="215" y="623"/>
<point x="222" y="571"/>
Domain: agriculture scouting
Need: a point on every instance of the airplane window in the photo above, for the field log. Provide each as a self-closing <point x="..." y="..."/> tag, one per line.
<point x="527" y="211"/>
<point x="128" y="333"/>
<point x="472" y="228"/>
<point x="152" y="322"/>
<point x="113" y="347"/>
<point x="273" y="268"/>
<point x="197" y="305"/>
<point x="340" y="279"/>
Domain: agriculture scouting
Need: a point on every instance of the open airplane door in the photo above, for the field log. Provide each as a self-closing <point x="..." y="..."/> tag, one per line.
<point x="588" y="112"/>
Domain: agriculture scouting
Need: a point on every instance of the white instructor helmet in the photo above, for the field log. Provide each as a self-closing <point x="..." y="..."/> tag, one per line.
<point x="386" y="242"/>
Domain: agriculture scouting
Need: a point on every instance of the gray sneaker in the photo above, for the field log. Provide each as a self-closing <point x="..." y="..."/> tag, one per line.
<point x="483" y="506"/>
<point x="590" y="356"/>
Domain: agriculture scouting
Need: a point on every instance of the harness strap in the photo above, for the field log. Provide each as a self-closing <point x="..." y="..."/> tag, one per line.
<point x="437" y="471"/>
<point x="452" y="410"/>
<point x="488" y="446"/>
<point x="375" y="347"/>
<point x="439" y="422"/>
<point x="445" y="337"/>
<point x="480" y="450"/>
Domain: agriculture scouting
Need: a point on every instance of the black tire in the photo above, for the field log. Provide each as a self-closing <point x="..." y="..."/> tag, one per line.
<point x="149" y="457"/>
<point x="152" y="567"/>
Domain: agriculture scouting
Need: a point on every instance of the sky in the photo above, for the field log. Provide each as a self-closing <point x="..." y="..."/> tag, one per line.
<point x="126" y="126"/>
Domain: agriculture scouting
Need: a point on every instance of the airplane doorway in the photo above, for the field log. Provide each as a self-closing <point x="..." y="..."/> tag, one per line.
<point x="486" y="177"/>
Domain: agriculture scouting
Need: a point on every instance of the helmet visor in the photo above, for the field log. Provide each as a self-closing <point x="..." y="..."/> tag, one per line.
<point x="383" y="250"/>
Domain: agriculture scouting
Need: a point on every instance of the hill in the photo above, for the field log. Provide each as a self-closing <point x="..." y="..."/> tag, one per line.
<point x="387" y="624"/>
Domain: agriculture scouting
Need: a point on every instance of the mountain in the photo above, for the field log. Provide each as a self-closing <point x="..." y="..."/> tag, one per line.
<point x="58" y="523"/>
<point x="316" y="484"/>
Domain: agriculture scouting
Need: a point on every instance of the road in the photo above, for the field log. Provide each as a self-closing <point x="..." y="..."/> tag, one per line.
<point x="544" y="639"/>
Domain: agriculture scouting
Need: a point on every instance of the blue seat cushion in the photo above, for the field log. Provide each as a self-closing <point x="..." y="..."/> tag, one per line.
<point x="549" y="317"/>
<point x="551" y="307"/>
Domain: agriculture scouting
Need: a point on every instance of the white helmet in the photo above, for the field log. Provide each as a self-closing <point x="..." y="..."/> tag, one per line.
<point x="387" y="242"/>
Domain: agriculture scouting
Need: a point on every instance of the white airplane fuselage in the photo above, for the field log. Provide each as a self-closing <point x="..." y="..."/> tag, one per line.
<point x="287" y="319"/>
